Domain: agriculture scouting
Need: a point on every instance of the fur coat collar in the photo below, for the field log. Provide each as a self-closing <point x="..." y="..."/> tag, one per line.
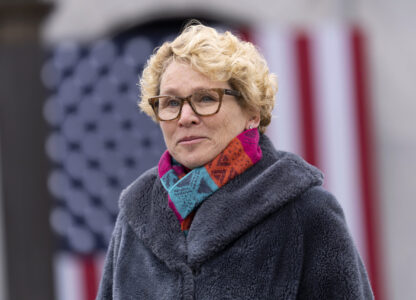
<point x="236" y="207"/>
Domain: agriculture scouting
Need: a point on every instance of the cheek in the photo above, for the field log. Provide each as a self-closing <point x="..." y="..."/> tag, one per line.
<point x="227" y="131"/>
<point x="234" y="123"/>
<point x="167" y="132"/>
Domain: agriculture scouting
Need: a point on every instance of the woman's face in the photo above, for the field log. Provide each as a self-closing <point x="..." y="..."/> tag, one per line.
<point x="191" y="139"/>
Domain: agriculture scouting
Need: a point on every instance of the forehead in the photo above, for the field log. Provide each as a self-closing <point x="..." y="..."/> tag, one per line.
<point x="181" y="78"/>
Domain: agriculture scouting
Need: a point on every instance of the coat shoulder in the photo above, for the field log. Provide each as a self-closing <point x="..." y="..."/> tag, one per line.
<point x="332" y="267"/>
<point x="321" y="216"/>
<point x="318" y="202"/>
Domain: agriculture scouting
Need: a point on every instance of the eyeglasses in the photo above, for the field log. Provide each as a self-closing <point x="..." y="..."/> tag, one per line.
<point x="205" y="102"/>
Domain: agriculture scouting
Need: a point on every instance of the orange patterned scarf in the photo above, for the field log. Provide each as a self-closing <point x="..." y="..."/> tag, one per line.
<point x="186" y="191"/>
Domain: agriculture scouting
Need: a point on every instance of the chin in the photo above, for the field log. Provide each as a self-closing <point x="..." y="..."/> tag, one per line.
<point x="193" y="159"/>
<point x="193" y="163"/>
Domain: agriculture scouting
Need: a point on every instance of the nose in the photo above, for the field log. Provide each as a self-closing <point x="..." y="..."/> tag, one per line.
<point x="188" y="116"/>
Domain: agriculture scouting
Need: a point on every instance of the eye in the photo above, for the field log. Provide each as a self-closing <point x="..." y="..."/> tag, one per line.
<point x="207" y="98"/>
<point x="169" y="102"/>
<point x="173" y="102"/>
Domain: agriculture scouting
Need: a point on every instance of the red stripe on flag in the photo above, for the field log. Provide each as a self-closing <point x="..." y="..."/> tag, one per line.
<point x="307" y="97"/>
<point x="245" y="34"/>
<point x="367" y="175"/>
<point x="90" y="277"/>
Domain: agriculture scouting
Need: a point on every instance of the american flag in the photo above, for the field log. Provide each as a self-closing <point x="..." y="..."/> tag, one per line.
<point x="99" y="141"/>
<point x="323" y="113"/>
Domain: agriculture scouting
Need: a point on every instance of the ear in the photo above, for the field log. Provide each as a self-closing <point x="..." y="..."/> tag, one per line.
<point x="253" y="120"/>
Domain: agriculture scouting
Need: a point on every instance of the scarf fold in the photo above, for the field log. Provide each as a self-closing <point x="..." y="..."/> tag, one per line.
<point x="187" y="190"/>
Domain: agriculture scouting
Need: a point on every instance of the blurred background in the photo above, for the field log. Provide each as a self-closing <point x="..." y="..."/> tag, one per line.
<point x="72" y="137"/>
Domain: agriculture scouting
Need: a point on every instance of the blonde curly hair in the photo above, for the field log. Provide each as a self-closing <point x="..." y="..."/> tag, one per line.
<point x="220" y="57"/>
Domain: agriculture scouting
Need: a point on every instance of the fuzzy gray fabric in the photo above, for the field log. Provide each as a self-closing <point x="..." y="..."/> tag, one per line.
<point x="270" y="233"/>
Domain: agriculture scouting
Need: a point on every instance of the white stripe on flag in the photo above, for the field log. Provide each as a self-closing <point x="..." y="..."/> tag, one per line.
<point x="68" y="277"/>
<point x="277" y="48"/>
<point x="337" y="124"/>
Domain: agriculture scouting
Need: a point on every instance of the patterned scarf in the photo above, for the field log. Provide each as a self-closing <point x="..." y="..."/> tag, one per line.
<point x="187" y="190"/>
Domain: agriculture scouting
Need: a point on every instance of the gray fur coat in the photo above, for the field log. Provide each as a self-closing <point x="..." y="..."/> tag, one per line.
<point x="271" y="233"/>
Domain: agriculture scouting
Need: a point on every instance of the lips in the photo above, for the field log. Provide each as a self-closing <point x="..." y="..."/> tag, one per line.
<point x="190" y="139"/>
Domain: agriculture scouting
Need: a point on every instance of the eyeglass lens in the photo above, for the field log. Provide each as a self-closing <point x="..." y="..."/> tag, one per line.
<point x="204" y="102"/>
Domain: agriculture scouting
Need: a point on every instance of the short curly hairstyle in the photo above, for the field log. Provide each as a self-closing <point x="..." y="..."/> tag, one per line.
<point x="220" y="57"/>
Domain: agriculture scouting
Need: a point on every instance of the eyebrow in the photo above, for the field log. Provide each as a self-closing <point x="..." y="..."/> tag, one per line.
<point x="169" y="91"/>
<point x="173" y="91"/>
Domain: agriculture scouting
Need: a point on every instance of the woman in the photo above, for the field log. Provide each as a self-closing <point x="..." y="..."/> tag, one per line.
<point x="225" y="215"/>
